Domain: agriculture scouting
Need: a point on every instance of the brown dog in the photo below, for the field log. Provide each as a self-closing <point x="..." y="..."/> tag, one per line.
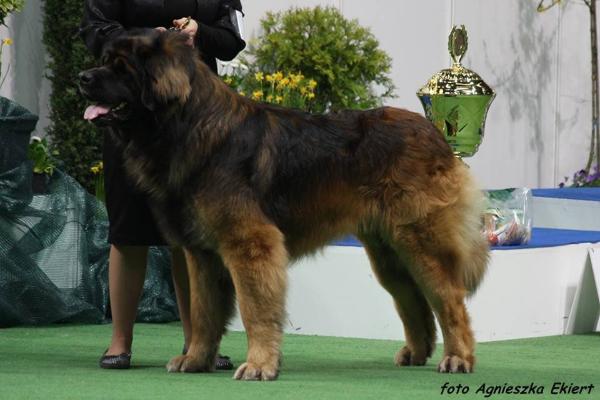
<point x="245" y="188"/>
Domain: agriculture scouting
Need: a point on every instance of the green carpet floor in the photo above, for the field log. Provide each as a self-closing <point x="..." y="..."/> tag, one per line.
<point x="60" y="362"/>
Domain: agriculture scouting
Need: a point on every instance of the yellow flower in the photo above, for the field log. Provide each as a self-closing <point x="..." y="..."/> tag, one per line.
<point x="242" y="93"/>
<point x="295" y="80"/>
<point x="310" y="96"/>
<point x="269" y="78"/>
<point x="303" y="90"/>
<point x="312" y="84"/>
<point x="97" y="168"/>
<point x="259" y="76"/>
<point x="278" y="99"/>
<point x="257" y="95"/>
<point x="270" y="98"/>
<point x="228" y="80"/>
<point x="278" y="76"/>
<point x="283" y="83"/>
<point x="7" y="41"/>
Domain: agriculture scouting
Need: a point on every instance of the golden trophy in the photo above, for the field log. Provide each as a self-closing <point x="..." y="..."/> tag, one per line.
<point x="456" y="100"/>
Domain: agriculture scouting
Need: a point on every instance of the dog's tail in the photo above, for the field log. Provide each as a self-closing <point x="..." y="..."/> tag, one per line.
<point x="473" y="248"/>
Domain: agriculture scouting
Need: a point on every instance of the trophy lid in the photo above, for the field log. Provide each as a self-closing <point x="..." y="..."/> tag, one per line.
<point x="456" y="80"/>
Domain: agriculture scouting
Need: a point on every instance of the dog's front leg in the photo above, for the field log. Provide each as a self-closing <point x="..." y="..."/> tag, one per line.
<point x="211" y="307"/>
<point x="257" y="260"/>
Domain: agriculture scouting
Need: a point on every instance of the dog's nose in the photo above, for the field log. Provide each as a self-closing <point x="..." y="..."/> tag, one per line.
<point x="86" y="77"/>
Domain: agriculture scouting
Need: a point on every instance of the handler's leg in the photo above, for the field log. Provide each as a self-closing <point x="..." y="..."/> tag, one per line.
<point x="126" y="273"/>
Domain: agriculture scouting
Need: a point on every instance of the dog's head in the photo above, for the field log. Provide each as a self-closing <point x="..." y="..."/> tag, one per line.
<point x="141" y="73"/>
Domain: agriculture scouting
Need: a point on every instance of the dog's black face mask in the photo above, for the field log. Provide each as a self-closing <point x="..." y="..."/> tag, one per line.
<point x="111" y="88"/>
<point x="140" y="73"/>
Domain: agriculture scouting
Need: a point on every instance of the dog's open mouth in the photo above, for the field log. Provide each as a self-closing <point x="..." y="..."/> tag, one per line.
<point x="105" y="113"/>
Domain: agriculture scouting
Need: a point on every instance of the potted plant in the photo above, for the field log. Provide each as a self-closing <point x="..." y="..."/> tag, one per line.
<point x="588" y="176"/>
<point x="343" y="58"/>
<point x="16" y="123"/>
<point x="43" y="165"/>
<point x="98" y="171"/>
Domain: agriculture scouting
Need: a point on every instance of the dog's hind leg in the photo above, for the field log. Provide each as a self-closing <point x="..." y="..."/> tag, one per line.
<point x="416" y="314"/>
<point x="255" y="254"/>
<point x="211" y="307"/>
<point x="440" y="264"/>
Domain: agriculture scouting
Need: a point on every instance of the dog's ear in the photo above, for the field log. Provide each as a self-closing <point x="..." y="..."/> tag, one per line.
<point x="167" y="77"/>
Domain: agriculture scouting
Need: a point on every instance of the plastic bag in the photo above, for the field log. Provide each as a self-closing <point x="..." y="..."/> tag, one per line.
<point x="507" y="219"/>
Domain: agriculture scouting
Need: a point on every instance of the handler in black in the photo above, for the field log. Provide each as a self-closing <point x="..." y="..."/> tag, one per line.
<point x="214" y="27"/>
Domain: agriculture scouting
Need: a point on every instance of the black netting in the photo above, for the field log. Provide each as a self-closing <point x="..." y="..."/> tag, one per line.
<point x="54" y="250"/>
<point x="54" y="256"/>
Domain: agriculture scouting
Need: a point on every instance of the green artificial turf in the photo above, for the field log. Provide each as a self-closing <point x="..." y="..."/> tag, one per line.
<point x="60" y="362"/>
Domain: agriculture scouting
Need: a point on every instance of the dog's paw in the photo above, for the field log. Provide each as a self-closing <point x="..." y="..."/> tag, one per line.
<point x="187" y="363"/>
<point x="406" y="356"/>
<point x="454" y="364"/>
<point x="251" y="372"/>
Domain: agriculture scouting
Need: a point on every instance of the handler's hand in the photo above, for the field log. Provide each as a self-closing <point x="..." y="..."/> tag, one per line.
<point x="161" y="29"/>
<point x="188" y="26"/>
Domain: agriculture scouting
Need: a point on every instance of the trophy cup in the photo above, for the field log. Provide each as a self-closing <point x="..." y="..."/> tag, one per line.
<point x="456" y="100"/>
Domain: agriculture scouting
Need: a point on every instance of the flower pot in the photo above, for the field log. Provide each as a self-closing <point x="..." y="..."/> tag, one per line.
<point x="16" y="125"/>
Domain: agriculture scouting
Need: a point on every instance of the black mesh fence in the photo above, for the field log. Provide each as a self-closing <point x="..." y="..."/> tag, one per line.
<point x="54" y="250"/>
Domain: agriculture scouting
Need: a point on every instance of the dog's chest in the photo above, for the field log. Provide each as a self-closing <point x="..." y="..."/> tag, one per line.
<point x="184" y="222"/>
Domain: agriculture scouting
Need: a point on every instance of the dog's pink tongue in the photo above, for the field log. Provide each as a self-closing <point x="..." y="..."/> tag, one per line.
<point x="94" y="111"/>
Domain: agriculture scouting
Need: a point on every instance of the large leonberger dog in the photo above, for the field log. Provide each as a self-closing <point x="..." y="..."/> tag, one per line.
<point x="245" y="188"/>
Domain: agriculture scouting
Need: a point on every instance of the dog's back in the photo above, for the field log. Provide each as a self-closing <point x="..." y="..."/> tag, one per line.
<point x="323" y="176"/>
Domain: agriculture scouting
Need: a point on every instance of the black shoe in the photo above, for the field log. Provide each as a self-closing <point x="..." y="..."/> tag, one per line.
<point x="223" y="362"/>
<point x="121" y="361"/>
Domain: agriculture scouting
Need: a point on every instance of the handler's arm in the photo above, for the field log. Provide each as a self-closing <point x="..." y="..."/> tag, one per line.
<point x="100" y="23"/>
<point x="223" y="38"/>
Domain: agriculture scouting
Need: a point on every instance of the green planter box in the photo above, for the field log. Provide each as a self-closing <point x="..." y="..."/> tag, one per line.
<point x="16" y="125"/>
